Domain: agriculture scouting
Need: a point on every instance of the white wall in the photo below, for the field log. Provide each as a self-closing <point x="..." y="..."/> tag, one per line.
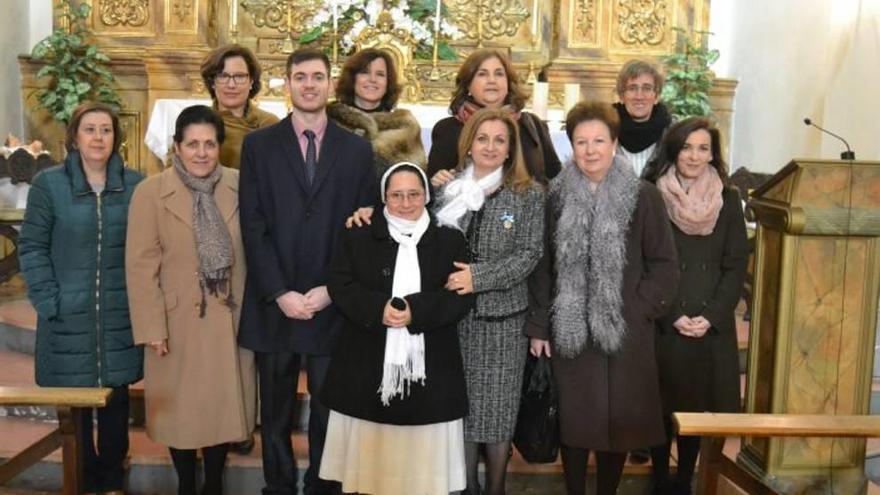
<point x="796" y="59"/>
<point x="13" y="41"/>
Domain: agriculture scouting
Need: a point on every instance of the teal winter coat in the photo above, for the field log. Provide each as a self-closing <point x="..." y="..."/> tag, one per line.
<point x="72" y="256"/>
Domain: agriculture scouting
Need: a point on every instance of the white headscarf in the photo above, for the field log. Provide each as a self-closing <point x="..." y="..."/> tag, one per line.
<point x="466" y="193"/>
<point x="404" y="361"/>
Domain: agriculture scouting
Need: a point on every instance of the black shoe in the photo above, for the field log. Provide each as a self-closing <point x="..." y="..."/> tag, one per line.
<point x="244" y="447"/>
<point x="639" y="456"/>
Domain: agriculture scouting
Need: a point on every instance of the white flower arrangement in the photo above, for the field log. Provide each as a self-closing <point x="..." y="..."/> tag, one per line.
<point x="353" y="16"/>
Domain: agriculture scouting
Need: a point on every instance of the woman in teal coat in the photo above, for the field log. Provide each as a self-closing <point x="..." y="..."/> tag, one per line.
<point x="72" y="254"/>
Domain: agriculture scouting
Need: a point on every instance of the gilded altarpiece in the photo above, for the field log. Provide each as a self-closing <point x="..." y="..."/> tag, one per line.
<point x="157" y="46"/>
<point x="817" y="282"/>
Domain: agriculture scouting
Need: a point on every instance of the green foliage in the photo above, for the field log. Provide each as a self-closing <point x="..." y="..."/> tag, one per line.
<point x="75" y="68"/>
<point x="688" y="75"/>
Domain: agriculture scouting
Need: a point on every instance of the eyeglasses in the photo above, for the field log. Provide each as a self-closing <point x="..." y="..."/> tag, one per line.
<point x="224" y="78"/>
<point x="645" y="89"/>
<point x="411" y="196"/>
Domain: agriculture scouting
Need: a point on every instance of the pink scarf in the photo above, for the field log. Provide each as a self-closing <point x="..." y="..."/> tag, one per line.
<point x="470" y="107"/>
<point x="696" y="210"/>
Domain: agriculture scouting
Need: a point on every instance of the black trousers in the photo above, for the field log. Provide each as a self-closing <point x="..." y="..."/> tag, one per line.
<point x="278" y="375"/>
<point x="103" y="464"/>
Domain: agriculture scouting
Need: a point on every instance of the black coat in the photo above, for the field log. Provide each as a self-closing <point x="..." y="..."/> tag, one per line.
<point x="537" y="148"/>
<point x="703" y="374"/>
<point x="360" y="282"/>
<point x="289" y="229"/>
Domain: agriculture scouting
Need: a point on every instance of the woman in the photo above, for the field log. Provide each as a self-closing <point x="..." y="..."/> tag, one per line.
<point x="71" y="252"/>
<point x="232" y="75"/>
<point x="501" y="210"/>
<point x="613" y="258"/>
<point x="366" y="94"/>
<point x="396" y="387"/>
<point x="185" y="269"/>
<point x="643" y="118"/>
<point x="486" y="79"/>
<point x="696" y="341"/>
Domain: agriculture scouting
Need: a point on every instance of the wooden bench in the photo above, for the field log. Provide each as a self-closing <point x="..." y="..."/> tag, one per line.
<point x="711" y="426"/>
<point x="70" y="404"/>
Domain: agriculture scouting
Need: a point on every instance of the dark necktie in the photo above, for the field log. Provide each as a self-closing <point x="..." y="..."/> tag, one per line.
<point x="311" y="156"/>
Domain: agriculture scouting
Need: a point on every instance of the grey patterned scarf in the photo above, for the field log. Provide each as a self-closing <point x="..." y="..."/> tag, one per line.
<point x="590" y="248"/>
<point x="213" y="242"/>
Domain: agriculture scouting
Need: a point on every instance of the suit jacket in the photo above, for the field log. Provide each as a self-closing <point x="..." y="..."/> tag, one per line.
<point x="361" y="277"/>
<point x="290" y="228"/>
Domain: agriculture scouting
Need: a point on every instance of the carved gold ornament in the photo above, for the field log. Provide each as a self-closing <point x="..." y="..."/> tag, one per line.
<point x="488" y="19"/>
<point x="288" y="16"/>
<point x="642" y="21"/>
<point x="585" y="17"/>
<point x="133" y="13"/>
<point x="182" y="9"/>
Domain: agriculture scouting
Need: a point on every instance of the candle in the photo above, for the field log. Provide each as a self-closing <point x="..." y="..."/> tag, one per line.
<point x="437" y="18"/>
<point x="234" y="15"/>
<point x="535" y="19"/>
<point x="335" y="16"/>
<point x="540" y="93"/>
<point x="572" y="96"/>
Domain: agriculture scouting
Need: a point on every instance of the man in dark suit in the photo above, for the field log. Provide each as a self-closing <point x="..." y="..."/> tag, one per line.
<point x="300" y="179"/>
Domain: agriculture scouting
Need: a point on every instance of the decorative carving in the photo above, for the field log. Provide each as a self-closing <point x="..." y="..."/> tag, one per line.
<point x="133" y="13"/>
<point x="642" y="21"/>
<point x="182" y="9"/>
<point x="487" y="19"/>
<point x="287" y="16"/>
<point x="585" y="17"/>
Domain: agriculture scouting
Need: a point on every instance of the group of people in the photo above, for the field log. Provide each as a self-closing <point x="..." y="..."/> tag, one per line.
<point x="410" y="288"/>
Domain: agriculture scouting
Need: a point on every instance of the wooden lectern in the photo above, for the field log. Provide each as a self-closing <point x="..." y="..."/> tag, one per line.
<point x="817" y="282"/>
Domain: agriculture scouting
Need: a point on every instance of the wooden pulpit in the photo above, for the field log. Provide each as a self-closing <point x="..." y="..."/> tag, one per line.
<point x="817" y="282"/>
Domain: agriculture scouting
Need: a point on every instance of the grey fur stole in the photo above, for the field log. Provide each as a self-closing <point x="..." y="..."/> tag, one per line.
<point x="590" y="249"/>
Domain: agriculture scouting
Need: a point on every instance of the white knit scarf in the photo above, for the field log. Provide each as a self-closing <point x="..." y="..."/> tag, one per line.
<point x="466" y="193"/>
<point x="404" y="352"/>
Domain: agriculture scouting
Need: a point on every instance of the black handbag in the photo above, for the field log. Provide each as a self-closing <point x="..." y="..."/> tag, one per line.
<point x="537" y="426"/>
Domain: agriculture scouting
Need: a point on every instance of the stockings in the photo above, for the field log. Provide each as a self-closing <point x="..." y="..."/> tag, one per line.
<point x="214" y="459"/>
<point x="688" y="449"/>
<point x="497" y="455"/>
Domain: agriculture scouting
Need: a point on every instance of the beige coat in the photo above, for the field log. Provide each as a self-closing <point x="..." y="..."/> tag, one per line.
<point x="202" y="392"/>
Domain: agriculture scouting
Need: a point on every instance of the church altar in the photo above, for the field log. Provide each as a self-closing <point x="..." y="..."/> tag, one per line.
<point x="157" y="46"/>
<point x="160" y="128"/>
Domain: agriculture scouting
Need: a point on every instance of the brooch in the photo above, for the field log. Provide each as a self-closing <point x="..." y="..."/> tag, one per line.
<point x="507" y="220"/>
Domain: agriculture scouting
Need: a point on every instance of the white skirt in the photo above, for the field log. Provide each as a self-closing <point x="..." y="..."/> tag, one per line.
<point x="383" y="459"/>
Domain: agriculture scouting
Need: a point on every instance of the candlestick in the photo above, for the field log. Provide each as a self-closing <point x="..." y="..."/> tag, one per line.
<point x="540" y="95"/>
<point x="335" y="15"/>
<point x="572" y="96"/>
<point x="437" y="19"/>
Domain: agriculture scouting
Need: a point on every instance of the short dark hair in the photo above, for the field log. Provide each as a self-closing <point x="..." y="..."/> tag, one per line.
<point x="304" y="55"/>
<point x="359" y="62"/>
<point x="199" y="114"/>
<point x="213" y="65"/>
<point x="516" y="98"/>
<point x="673" y="142"/>
<point x="592" y="110"/>
<point x="80" y="112"/>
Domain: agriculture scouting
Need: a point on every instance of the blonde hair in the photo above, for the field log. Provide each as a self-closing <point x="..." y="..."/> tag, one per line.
<point x="516" y="175"/>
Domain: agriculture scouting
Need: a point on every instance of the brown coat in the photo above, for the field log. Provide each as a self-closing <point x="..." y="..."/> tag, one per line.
<point x="202" y="392"/>
<point x="612" y="402"/>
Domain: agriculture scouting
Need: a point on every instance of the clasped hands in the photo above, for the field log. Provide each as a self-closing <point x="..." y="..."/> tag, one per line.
<point x="694" y="327"/>
<point x="303" y="306"/>
<point x="396" y="318"/>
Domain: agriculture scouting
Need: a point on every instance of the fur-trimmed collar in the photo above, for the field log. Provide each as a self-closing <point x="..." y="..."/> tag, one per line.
<point x="396" y="135"/>
<point x="590" y="249"/>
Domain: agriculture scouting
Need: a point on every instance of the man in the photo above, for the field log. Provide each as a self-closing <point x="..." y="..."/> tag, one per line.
<point x="643" y="120"/>
<point x="300" y="179"/>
